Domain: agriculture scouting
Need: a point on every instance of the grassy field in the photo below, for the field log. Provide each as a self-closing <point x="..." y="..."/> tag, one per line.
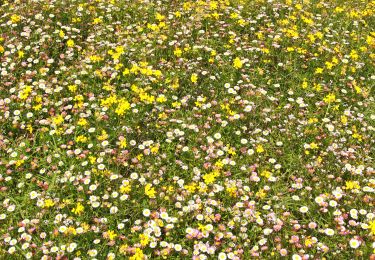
<point x="170" y="129"/>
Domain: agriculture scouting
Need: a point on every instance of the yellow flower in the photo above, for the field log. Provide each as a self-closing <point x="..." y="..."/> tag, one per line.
<point x="70" y="230"/>
<point x="37" y="107"/>
<point x="150" y="191"/>
<point x="298" y="6"/>
<point x="19" y="163"/>
<point x="237" y="63"/>
<point x="344" y="119"/>
<point x="330" y="98"/>
<point x="191" y="187"/>
<point x="122" y="106"/>
<point x="308" y="242"/>
<point x="82" y="122"/>
<point x="15" y="18"/>
<point x="24" y="94"/>
<point x="103" y="136"/>
<point x="202" y="227"/>
<point x="97" y="21"/>
<point x="79" y="209"/>
<point x="95" y="58"/>
<point x="338" y="9"/>
<point x="219" y="164"/>
<point x="70" y="43"/>
<point x="126" y="72"/>
<point x="354" y="55"/>
<point x="125" y="188"/>
<point x="61" y="34"/>
<point x="138" y="255"/>
<point x="231" y="151"/>
<point x="261" y="194"/>
<point x="232" y="191"/>
<point x="154" y="149"/>
<point x="370" y="40"/>
<point x="29" y="128"/>
<point x="21" y="54"/>
<point x="58" y="120"/>
<point x="161" y="99"/>
<point x="350" y="185"/>
<point x="159" y="17"/>
<point x="109" y="101"/>
<point x="329" y="65"/>
<point x="209" y="178"/>
<point x="92" y="159"/>
<point x="304" y="84"/>
<point x="72" y="88"/>
<point x="48" y="203"/>
<point x="372" y="227"/>
<point x="194" y="78"/>
<point x="241" y="22"/>
<point x="111" y="235"/>
<point x="176" y="104"/>
<point x="177" y="52"/>
<point x="144" y="239"/>
<point x="233" y="15"/>
<point x="81" y="139"/>
<point x="260" y="148"/>
<point x="317" y="87"/>
<point x="123" y="143"/>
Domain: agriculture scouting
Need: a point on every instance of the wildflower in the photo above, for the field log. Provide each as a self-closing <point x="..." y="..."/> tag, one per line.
<point x="48" y="203"/>
<point x="354" y="243"/>
<point x="259" y="148"/>
<point x="150" y="191"/>
<point x="350" y="185"/>
<point x="222" y="256"/>
<point x="209" y="178"/>
<point x="144" y="239"/>
<point x="79" y="209"/>
<point x="138" y="255"/>
<point x="146" y="212"/>
<point x="237" y="63"/>
<point x="330" y="98"/>
<point x="15" y="18"/>
<point x="70" y="43"/>
<point x="177" y="52"/>
<point x="123" y="143"/>
<point x="372" y="227"/>
<point x="329" y="232"/>
<point x="194" y="78"/>
<point x="111" y="235"/>
<point x="58" y="120"/>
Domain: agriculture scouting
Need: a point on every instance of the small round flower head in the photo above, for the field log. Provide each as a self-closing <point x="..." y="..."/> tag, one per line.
<point x="354" y="243"/>
<point x="329" y="232"/>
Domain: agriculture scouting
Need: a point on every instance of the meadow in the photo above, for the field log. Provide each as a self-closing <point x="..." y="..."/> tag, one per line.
<point x="208" y="129"/>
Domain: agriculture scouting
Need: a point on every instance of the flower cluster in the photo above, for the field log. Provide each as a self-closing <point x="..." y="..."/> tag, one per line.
<point x="208" y="129"/>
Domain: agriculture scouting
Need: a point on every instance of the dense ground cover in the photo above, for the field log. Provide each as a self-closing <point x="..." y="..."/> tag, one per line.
<point x="187" y="129"/>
